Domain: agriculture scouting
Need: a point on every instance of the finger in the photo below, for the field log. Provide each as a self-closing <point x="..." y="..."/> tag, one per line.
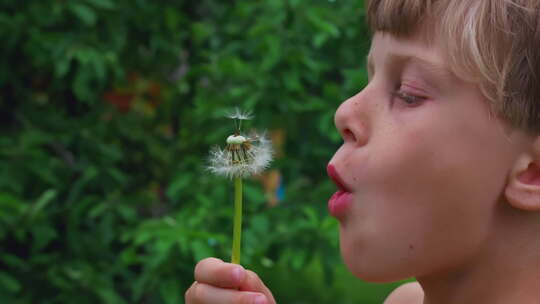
<point x="201" y="293"/>
<point x="254" y="283"/>
<point x="215" y="272"/>
<point x="189" y="291"/>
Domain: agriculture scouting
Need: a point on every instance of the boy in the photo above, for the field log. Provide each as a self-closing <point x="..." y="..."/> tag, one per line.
<point x="439" y="172"/>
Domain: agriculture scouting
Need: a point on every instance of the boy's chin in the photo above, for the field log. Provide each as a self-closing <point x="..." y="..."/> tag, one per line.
<point x="380" y="275"/>
<point x="373" y="270"/>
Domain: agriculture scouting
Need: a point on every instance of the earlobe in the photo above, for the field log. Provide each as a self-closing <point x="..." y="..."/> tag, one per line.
<point x="523" y="188"/>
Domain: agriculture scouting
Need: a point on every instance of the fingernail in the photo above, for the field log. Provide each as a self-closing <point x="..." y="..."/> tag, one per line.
<point x="238" y="274"/>
<point x="260" y="300"/>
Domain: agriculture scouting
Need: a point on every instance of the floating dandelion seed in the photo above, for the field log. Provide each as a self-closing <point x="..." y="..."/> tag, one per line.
<point x="242" y="157"/>
<point x="238" y="114"/>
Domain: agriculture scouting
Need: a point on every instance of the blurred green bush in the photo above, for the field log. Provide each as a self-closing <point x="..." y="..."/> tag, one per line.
<point x="108" y="109"/>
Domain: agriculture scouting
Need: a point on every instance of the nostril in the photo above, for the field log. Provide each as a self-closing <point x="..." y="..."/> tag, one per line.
<point x="348" y="135"/>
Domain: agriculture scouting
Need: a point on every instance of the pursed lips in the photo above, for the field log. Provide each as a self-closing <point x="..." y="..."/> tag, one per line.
<point x="341" y="201"/>
<point x="336" y="178"/>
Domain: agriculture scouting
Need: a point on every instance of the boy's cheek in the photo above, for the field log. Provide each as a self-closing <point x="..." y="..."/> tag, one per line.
<point x="408" y="201"/>
<point x="392" y="238"/>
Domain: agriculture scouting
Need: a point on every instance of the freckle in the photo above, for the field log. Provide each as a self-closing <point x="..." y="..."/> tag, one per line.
<point x="355" y="179"/>
<point x="411" y="247"/>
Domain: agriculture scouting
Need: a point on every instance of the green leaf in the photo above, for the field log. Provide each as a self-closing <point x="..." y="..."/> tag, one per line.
<point x="104" y="4"/>
<point x="319" y="39"/>
<point x="201" y="31"/>
<point x="299" y="259"/>
<point x="9" y="282"/>
<point x="14" y="261"/>
<point x="201" y="250"/>
<point x="45" y="198"/>
<point x="84" y="13"/>
<point x="62" y="66"/>
<point x="170" y="291"/>
<point x="178" y="185"/>
<point x="82" y="85"/>
<point x="108" y="295"/>
<point x="311" y="216"/>
<point x="11" y="207"/>
<point x="42" y="236"/>
<point x="77" y="188"/>
<point x="99" y="68"/>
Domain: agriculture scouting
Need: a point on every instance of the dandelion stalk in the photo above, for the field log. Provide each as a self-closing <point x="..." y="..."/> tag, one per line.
<point x="243" y="156"/>
<point x="237" y="231"/>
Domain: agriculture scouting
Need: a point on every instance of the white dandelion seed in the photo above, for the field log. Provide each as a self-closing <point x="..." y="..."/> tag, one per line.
<point x="240" y="115"/>
<point x="244" y="155"/>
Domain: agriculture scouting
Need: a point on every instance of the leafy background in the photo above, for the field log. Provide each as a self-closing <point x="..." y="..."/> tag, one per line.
<point x="108" y="109"/>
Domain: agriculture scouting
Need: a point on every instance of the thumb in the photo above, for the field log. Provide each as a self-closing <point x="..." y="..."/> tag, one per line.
<point x="252" y="282"/>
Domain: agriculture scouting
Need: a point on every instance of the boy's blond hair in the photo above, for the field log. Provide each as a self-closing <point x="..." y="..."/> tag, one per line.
<point x="493" y="42"/>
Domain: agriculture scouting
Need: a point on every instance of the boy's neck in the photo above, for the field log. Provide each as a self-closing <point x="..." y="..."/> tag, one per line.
<point x="506" y="270"/>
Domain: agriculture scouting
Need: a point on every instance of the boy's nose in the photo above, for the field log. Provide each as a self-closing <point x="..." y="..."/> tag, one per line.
<point x="351" y="120"/>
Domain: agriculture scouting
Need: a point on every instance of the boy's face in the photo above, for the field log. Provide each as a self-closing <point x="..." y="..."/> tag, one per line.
<point x="426" y="164"/>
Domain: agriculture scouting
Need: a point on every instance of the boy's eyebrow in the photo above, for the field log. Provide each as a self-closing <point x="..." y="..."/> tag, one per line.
<point x="430" y="67"/>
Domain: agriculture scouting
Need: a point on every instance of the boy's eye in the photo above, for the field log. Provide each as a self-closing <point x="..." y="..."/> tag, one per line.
<point x="409" y="99"/>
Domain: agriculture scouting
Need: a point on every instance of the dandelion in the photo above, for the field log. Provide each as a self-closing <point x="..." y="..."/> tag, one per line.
<point x="243" y="156"/>
<point x="239" y="115"/>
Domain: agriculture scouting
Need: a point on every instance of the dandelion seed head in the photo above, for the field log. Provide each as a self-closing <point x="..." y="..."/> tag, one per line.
<point x="244" y="155"/>
<point x="236" y="139"/>
<point x="224" y="161"/>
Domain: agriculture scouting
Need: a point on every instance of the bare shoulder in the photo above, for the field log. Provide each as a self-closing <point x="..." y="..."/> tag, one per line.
<point x="408" y="293"/>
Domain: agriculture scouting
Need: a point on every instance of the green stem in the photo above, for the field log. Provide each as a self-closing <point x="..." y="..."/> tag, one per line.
<point x="237" y="231"/>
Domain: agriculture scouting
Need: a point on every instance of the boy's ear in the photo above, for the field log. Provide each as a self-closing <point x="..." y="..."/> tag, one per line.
<point x="523" y="189"/>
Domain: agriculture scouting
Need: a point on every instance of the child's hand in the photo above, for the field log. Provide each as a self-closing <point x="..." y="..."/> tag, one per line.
<point x="225" y="283"/>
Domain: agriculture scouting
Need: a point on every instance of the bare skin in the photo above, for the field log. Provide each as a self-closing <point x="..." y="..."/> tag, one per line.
<point x="409" y="293"/>
<point x="442" y="190"/>
<point x="225" y="283"/>
<point x="216" y="283"/>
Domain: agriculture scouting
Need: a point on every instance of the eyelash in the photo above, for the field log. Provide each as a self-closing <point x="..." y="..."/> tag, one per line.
<point x="408" y="99"/>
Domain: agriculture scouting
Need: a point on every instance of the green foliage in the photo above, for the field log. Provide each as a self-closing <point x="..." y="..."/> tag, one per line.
<point x="108" y="110"/>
